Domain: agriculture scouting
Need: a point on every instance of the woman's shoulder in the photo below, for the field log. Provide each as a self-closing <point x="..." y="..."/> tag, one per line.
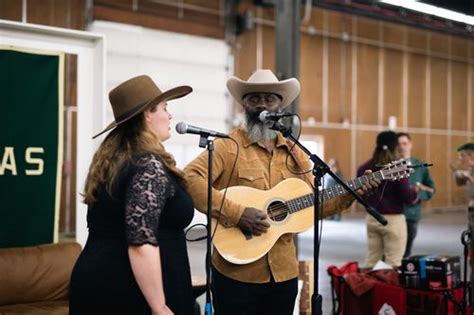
<point x="147" y="162"/>
<point x="146" y="158"/>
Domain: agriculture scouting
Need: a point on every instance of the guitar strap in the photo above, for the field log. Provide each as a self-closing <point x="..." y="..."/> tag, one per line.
<point x="297" y="159"/>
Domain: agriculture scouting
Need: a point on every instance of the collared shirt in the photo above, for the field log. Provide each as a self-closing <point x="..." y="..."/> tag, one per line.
<point x="422" y="176"/>
<point x="256" y="167"/>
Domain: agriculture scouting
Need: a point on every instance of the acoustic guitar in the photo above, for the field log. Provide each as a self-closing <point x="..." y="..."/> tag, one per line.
<point x="289" y="207"/>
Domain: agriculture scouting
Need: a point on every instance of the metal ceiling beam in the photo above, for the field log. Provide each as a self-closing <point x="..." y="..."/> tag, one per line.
<point x="287" y="42"/>
<point x="374" y="10"/>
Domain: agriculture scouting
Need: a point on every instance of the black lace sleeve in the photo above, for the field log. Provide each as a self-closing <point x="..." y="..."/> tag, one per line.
<point x="146" y="196"/>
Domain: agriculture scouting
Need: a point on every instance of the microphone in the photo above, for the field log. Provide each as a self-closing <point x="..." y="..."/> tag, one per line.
<point x="183" y="128"/>
<point x="266" y="116"/>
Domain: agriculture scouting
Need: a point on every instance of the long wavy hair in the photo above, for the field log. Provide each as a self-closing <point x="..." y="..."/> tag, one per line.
<point x="386" y="148"/>
<point x="128" y="140"/>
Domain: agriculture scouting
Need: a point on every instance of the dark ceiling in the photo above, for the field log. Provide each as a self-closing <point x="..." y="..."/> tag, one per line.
<point x="379" y="10"/>
<point x="461" y="6"/>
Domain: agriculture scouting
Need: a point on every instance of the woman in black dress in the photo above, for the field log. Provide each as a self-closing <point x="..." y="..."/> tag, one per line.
<point x="135" y="259"/>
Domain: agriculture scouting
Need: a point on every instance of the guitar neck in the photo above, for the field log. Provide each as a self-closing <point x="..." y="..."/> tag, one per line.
<point x="337" y="190"/>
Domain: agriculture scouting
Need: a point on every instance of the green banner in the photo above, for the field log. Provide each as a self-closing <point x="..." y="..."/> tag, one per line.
<point x="30" y="145"/>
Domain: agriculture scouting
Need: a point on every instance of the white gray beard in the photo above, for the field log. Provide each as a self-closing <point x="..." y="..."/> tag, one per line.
<point x="258" y="132"/>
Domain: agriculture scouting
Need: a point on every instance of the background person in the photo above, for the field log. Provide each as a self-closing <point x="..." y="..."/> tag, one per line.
<point x="388" y="242"/>
<point x="422" y="182"/>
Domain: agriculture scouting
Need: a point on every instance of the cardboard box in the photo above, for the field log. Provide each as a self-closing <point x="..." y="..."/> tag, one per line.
<point x="413" y="272"/>
<point x="431" y="272"/>
<point x="443" y="272"/>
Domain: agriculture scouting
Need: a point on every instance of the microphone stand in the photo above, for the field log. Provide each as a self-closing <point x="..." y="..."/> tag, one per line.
<point x="204" y="142"/>
<point x="319" y="169"/>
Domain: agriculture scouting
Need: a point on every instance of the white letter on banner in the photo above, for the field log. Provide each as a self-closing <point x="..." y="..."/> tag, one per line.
<point x="8" y="155"/>
<point x="31" y="160"/>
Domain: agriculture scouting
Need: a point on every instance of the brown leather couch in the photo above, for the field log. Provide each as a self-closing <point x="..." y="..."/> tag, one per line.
<point x="35" y="280"/>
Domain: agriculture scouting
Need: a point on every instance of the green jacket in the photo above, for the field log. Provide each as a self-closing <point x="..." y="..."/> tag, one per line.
<point x="421" y="175"/>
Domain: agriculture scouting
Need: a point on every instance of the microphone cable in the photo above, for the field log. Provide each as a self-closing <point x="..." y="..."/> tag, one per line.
<point x="200" y="238"/>
<point x="217" y="220"/>
<point x="227" y="186"/>
<point x="288" y="154"/>
<point x="303" y="172"/>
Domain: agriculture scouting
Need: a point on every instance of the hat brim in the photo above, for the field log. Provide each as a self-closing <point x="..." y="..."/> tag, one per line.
<point x="169" y="95"/>
<point x="466" y="147"/>
<point x="288" y="89"/>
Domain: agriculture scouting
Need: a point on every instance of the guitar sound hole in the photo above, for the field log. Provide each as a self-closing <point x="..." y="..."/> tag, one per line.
<point x="277" y="211"/>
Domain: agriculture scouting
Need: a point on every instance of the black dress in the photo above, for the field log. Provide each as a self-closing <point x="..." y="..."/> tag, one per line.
<point x="148" y="206"/>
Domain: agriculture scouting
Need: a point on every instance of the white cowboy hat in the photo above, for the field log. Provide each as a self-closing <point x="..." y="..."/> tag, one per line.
<point x="264" y="81"/>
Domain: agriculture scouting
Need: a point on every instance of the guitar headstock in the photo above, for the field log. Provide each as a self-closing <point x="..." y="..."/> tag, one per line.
<point x="396" y="170"/>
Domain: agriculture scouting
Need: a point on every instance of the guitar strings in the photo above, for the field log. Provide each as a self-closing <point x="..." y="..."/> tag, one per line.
<point x="283" y="209"/>
<point x="271" y="212"/>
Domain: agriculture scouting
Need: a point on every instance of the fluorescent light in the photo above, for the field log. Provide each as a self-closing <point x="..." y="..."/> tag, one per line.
<point x="432" y="10"/>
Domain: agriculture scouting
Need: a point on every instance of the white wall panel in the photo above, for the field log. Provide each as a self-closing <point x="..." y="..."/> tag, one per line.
<point x="173" y="59"/>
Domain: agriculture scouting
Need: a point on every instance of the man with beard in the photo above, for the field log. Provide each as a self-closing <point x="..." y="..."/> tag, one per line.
<point x="269" y="284"/>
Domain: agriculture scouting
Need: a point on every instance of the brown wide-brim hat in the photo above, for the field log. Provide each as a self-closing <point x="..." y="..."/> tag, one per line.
<point x="133" y="96"/>
<point x="264" y="81"/>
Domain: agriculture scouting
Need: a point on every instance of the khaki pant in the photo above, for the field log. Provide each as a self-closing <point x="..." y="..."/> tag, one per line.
<point x="388" y="242"/>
